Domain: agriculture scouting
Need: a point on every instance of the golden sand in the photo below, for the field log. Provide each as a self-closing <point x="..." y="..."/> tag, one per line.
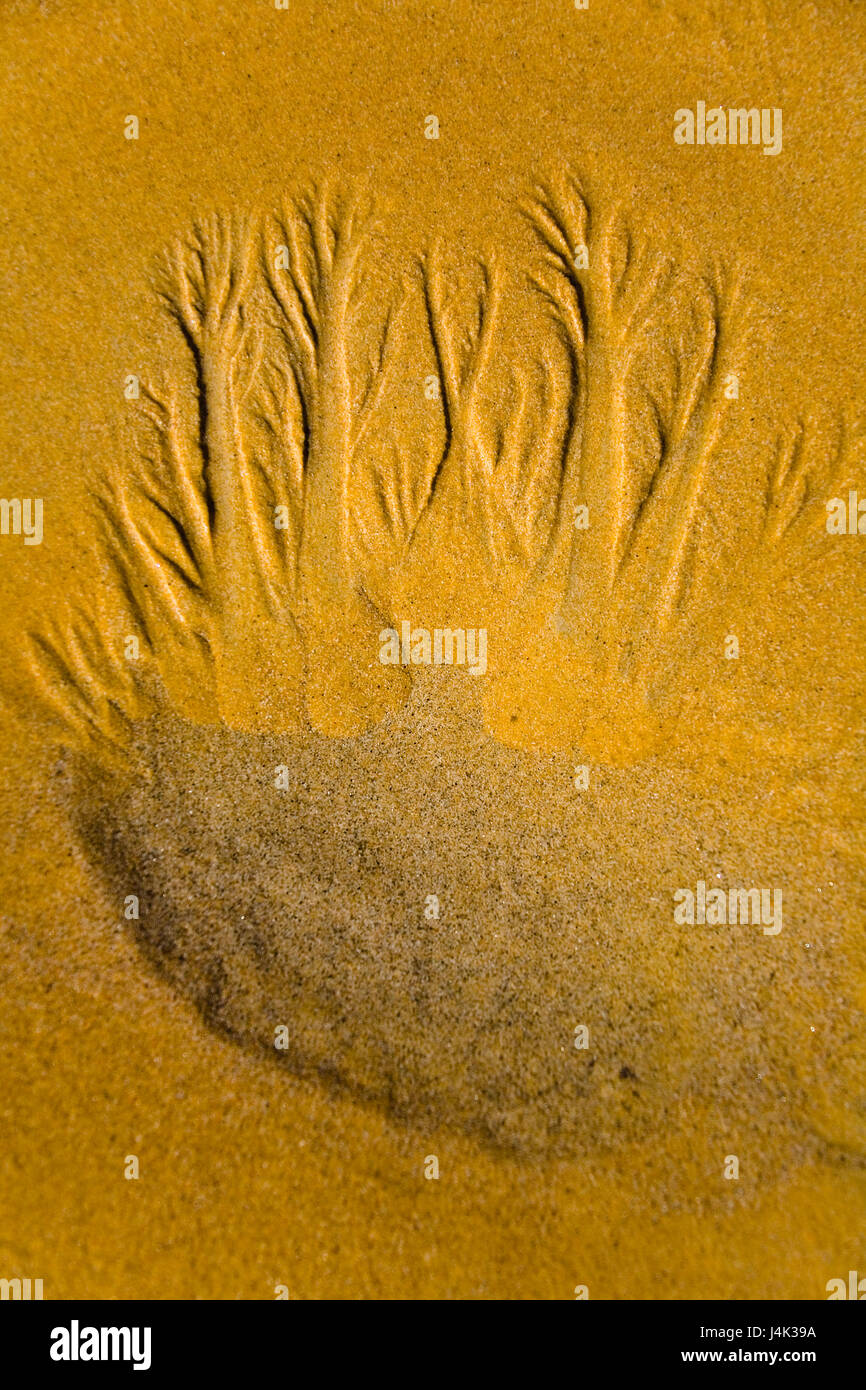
<point x="397" y="319"/>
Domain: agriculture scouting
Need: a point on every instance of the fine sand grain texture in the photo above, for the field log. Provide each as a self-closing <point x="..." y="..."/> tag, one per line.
<point x="433" y="694"/>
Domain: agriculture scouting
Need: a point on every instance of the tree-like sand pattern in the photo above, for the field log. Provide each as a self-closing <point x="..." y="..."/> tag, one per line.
<point x="242" y="771"/>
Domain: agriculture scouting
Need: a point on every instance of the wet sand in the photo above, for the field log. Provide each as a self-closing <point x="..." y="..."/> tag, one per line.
<point x="377" y="377"/>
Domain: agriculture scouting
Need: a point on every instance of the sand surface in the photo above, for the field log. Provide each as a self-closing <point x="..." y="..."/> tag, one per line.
<point x="285" y="921"/>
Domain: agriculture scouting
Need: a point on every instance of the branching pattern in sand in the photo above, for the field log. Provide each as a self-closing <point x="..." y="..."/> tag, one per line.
<point x="277" y="516"/>
<point x="578" y="486"/>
